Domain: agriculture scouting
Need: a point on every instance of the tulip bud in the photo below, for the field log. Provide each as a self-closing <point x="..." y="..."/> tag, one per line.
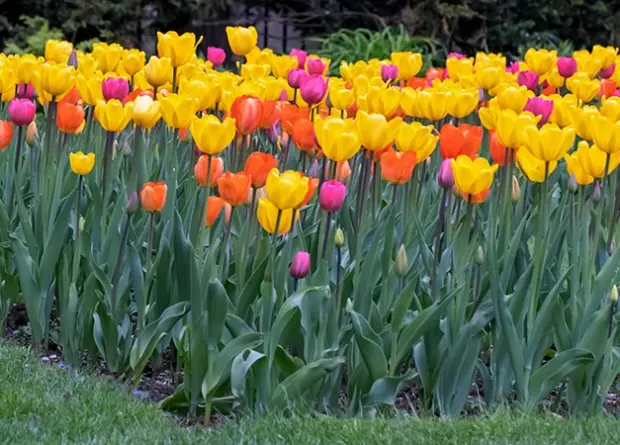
<point x="296" y="77"/>
<point x="114" y="148"/>
<point x="22" y="111"/>
<point x="528" y="79"/>
<point x="82" y="223"/>
<point x="73" y="60"/>
<point x="300" y="265"/>
<point x="31" y="133"/>
<point x="313" y="172"/>
<point x="613" y="295"/>
<point x="314" y="65"/>
<point x="445" y="177"/>
<point x="273" y="134"/>
<point x="597" y="194"/>
<point x="389" y="73"/>
<point x="572" y="184"/>
<point x="216" y="56"/>
<point x="401" y="264"/>
<point x="606" y="73"/>
<point x="479" y="256"/>
<point x="331" y="195"/>
<point x="133" y="203"/>
<point x="516" y="189"/>
<point x="567" y="66"/>
<point x="612" y="247"/>
<point x="339" y="238"/>
<point x="301" y="56"/>
<point x="313" y="88"/>
<point x="127" y="148"/>
<point x="348" y="305"/>
<point x="115" y="88"/>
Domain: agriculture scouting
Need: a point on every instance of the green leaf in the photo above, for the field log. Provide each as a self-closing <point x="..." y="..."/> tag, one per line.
<point x="385" y="390"/>
<point x="217" y="308"/>
<point x="251" y="290"/>
<point x="369" y="343"/>
<point x="224" y="358"/>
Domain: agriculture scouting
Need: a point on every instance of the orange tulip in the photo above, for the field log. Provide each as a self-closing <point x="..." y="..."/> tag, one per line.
<point x="153" y="196"/>
<point x="378" y="154"/>
<point x="234" y="187"/>
<point x="343" y="172"/>
<point x="312" y="185"/>
<point x="289" y="114"/>
<point x="200" y="170"/>
<point x="271" y="113"/>
<point x="477" y="198"/>
<point x="608" y="88"/>
<point x="215" y="204"/>
<point x="137" y="93"/>
<point x="69" y="117"/>
<point x="6" y="133"/>
<point x="498" y="150"/>
<point x="417" y="83"/>
<point x="462" y="140"/>
<point x="258" y="165"/>
<point x="303" y="134"/>
<point x="247" y="112"/>
<point x="72" y="97"/>
<point x="397" y="167"/>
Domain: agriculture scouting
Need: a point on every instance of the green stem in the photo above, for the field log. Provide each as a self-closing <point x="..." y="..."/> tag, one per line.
<point x="327" y="229"/>
<point x="149" y="242"/>
<point x="107" y="161"/>
<point x="117" y="269"/>
<point x="225" y="246"/>
<point x="76" y="249"/>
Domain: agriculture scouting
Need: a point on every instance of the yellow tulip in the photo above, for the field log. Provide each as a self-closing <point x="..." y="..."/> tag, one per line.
<point x="58" y="51"/>
<point x="375" y="132"/>
<point x="489" y="115"/>
<point x="409" y="64"/>
<point x="514" y="98"/>
<point x="7" y="79"/>
<point x="490" y="59"/>
<point x="178" y="110"/>
<point x="593" y="160"/>
<point x="286" y="190"/>
<point x="133" y="61"/>
<point x="54" y="79"/>
<point x="550" y="142"/>
<point x="90" y="88"/>
<point x="582" y="120"/>
<point x="553" y="78"/>
<point x="584" y="88"/>
<point x="25" y="66"/>
<point x="271" y="88"/>
<point x="158" y="71"/>
<point x="351" y="71"/>
<point x="112" y="115"/>
<point x="146" y="111"/>
<point x="81" y="164"/>
<point x="472" y="176"/>
<point x="418" y="138"/>
<point x="379" y="100"/>
<point x="253" y="71"/>
<point x="341" y="98"/>
<point x="586" y="64"/>
<point x="206" y="92"/>
<point x="488" y="77"/>
<point x="211" y="135"/>
<point x="611" y="108"/>
<point x="433" y="104"/>
<point x="87" y="65"/>
<point x="605" y="54"/>
<point x="241" y="40"/>
<point x="267" y="214"/>
<point x="606" y="134"/>
<point x="281" y="65"/>
<point x="562" y="109"/>
<point x="338" y="138"/>
<point x="511" y="127"/>
<point x="533" y="168"/>
<point x="462" y="103"/>
<point x="458" y="68"/>
<point x="108" y="56"/>
<point x="178" y="48"/>
<point x="259" y="56"/>
<point x="540" y="61"/>
<point x="574" y="168"/>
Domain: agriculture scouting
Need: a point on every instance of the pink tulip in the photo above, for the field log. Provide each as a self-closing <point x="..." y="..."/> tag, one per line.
<point x="314" y="65"/>
<point x="300" y="265"/>
<point x="456" y="56"/>
<point x="528" y="79"/>
<point x="296" y="77"/>
<point x="445" y="177"/>
<point x="539" y="107"/>
<point x="617" y="92"/>
<point x="22" y="111"/>
<point x="513" y="67"/>
<point x="216" y="56"/>
<point x="567" y="66"/>
<point x="606" y="73"/>
<point x="115" y="88"/>
<point x="313" y="88"/>
<point x="389" y="73"/>
<point x="25" y="90"/>
<point x="331" y="195"/>
<point x="301" y="57"/>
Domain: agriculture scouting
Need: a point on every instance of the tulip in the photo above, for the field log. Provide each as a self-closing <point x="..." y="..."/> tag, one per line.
<point x="31" y="132"/>
<point x="584" y="88"/>
<point x="241" y="40"/>
<point x="514" y="67"/>
<point x="418" y="138"/>
<point x="582" y="120"/>
<point x="6" y="133"/>
<point x="300" y="267"/>
<point x="463" y="103"/>
<point x="69" y="117"/>
<point x="113" y="115"/>
<point x="55" y="80"/>
<point x="549" y="143"/>
<point x="578" y="175"/>
<point x="286" y="190"/>
<point x="510" y="127"/>
<point x="22" y="111"/>
<point x="593" y="160"/>
<point x="234" y="187"/>
<point x="133" y="204"/>
<point x="375" y="131"/>
<point x="301" y="56"/>
<point x="462" y="140"/>
<point x="313" y="183"/>
<point x="248" y="113"/>
<point x="488" y="77"/>
<point x="313" y="88"/>
<point x="513" y="98"/>
<point x="146" y="112"/>
<point x="215" y="205"/>
<point x="289" y="114"/>
<point x="178" y="48"/>
<point x="433" y="104"/>
<point x="24" y="68"/>
<point x="445" y="177"/>
<point x="339" y="238"/>
<point x="257" y="166"/>
<point x="528" y="79"/>
<point x="25" y="90"/>
<point x="58" y="51"/>
<point x="107" y="56"/>
<point x="607" y="89"/>
<point x="380" y="100"/>
<point x="397" y="167"/>
<point x="271" y="114"/>
<point x="606" y="73"/>
<point x="304" y="136"/>
<point x="211" y="135"/>
<point x="153" y="196"/>
<point x="90" y="88"/>
<point x="133" y="61"/>
<point x="540" y="61"/>
<point x="498" y="150"/>
<point x="341" y="98"/>
<point x="401" y="264"/>
<point x="216" y="56"/>
<point x="81" y="164"/>
<point x="314" y="65"/>
<point x="201" y="167"/>
<point x="472" y="176"/>
<point x="539" y="107"/>
<point x="331" y="195"/>
<point x="177" y="110"/>
<point x="408" y="63"/>
<point x="267" y="214"/>
<point x="606" y="55"/>
<point x="389" y="73"/>
<point x="567" y="66"/>
<point x="158" y="71"/>
<point x="115" y="88"/>
<point x="457" y="56"/>
<point x="606" y="134"/>
<point x="338" y="138"/>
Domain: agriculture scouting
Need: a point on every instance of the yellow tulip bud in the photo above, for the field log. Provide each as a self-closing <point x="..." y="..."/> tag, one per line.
<point x="401" y="264"/>
<point x="267" y="214"/>
<point x="158" y="71"/>
<point x="81" y="164"/>
<point x="178" y="48"/>
<point x="339" y="238"/>
<point x="241" y="40"/>
<point x="146" y="111"/>
<point x="113" y="115"/>
<point x="338" y="138"/>
<point x="211" y="135"/>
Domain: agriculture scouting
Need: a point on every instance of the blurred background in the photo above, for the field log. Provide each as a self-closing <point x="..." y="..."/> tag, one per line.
<point x="339" y="29"/>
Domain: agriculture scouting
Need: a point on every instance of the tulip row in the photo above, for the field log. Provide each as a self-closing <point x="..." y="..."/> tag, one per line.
<point x="281" y="232"/>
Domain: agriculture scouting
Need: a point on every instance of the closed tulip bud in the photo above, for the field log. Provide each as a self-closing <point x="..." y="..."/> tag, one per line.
<point x="401" y="264"/>
<point x="115" y="88"/>
<point x="479" y="256"/>
<point x="314" y="65"/>
<point x="331" y="195"/>
<point x="22" y="111"/>
<point x="445" y="177"/>
<point x="597" y="194"/>
<point x="313" y="172"/>
<point x="613" y="295"/>
<point x="133" y="203"/>
<point x="567" y="66"/>
<point x="389" y="73"/>
<point x="572" y="184"/>
<point x="606" y="73"/>
<point x="516" y="189"/>
<point x="73" y="61"/>
<point x="81" y="164"/>
<point x="313" y="89"/>
<point x="296" y="77"/>
<point x="300" y="267"/>
<point x="31" y="133"/>
<point x="301" y="56"/>
<point x="339" y="238"/>
<point x="612" y="247"/>
<point x="216" y="56"/>
<point x="25" y="91"/>
<point x="528" y="79"/>
<point x="241" y="40"/>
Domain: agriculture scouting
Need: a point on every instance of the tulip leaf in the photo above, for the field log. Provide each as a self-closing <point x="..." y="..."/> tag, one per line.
<point x="385" y="390"/>
<point x="251" y="289"/>
<point x="224" y="358"/>
<point x="241" y="365"/>
<point x="217" y="307"/>
<point x="369" y="344"/>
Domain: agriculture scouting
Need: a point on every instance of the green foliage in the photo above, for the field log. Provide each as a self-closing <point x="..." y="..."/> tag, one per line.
<point x="31" y="35"/>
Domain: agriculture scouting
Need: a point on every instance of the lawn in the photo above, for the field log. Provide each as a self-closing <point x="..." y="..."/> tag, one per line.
<point x="42" y="404"/>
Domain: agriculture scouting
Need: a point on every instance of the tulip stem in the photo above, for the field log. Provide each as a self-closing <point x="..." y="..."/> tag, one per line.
<point x="18" y="150"/>
<point x="612" y="311"/>
<point x="361" y="190"/>
<point x="149" y="242"/>
<point x="225" y="245"/>
<point x="117" y="269"/>
<point x="422" y="180"/>
<point x="614" y="213"/>
<point x="303" y="162"/>
<point x="107" y="162"/>
<point x="275" y="232"/>
<point x="76" y="249"/>
<point x="174" y="79"/>
<point x="438" y="239"/>
<point x="334" y="169"/>
<point x="327" y="229"/>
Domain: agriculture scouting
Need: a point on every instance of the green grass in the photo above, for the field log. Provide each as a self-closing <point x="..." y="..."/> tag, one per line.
<point x="46" y="405"/>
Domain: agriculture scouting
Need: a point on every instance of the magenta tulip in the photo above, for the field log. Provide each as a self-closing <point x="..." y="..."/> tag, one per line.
<point x="389" y="73"/>
<point x="216" y="56"/>
<point x="313" y="88"/>
<point x="539" y="107"/>
<point x="567" y="66"/>
<point x="296" y="77"/>
<point x="331" y="195"/>
<point x="25" y="90"/>
<point x="513" y="67"/>
<point x="456" y="56"/>
<point x="528" y="79"/>
<point x="606" y="73"/>
<point x="22" y="111"/>
<point x="300" y="266"/>
<point x="445" y="177"/>
<point x="115" y="88"/>
<point x="314" y="65"/>
<point x="301" y="57"/>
